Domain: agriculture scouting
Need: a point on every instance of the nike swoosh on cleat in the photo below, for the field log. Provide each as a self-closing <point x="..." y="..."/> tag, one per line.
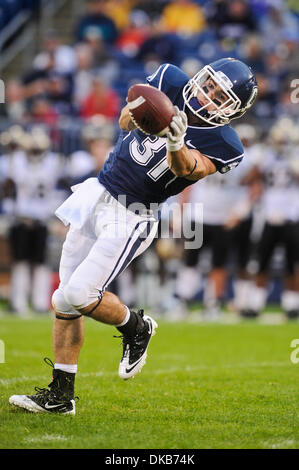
<point x="134" y="365"/>
<point x="49" y="407"/>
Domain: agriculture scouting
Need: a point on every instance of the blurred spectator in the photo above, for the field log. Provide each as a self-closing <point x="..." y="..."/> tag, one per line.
<point x="231" y="18"/>
<point x="102" y="100"/>
<point x="19" y="96"/>
<point x="58" y="92"/>
<point x="14" y="105"/>
<point x="191" y="66"/>
<point x="278" y="23"/>
<point x="137" y="31"/>
<point x="152" y="8"/>
<point x="277" y="70"/>
<point x="97" y="18"/>
<point x="119" y="11"/>
<point x="55" y="56"/>
<point x="183" y="17"/>
<point x="83" y="76"/>
<point x="252" y="52"/>
<point x="288" y="51"/>
<point x="160" y="46"/>
<point x="98" y="137"/>
<point x="41" y="111"/>
<point x="267" y="98"/>
<point x="102" y="54"/>
<point x="293" y="5"/>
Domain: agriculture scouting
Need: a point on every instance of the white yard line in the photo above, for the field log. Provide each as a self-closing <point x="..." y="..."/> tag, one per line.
<point x="45" y="437"/>
<point x="21" y="378"/>
<point x="16" y="353"/>
<point x="283" y="444"/>
<point x="168" y="370"/>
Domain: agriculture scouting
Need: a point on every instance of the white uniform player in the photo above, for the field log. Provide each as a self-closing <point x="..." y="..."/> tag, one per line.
<point x="35" y="174"/>
<point x="223" y="198"/>
<point x="279" y="168"/>
<point x="11" y="161"/>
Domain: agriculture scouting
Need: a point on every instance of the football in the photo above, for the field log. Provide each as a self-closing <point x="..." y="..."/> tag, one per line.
<point x="150" y="109"/>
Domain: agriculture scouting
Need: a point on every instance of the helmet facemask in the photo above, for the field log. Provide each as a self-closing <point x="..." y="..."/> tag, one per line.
<point x="223" y="110"/>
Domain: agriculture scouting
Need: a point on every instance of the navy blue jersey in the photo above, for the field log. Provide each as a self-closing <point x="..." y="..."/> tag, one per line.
<point x="138" y="168"/>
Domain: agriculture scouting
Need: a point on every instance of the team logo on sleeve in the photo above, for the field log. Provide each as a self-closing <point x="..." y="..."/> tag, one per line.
<point x="229" y="167"/>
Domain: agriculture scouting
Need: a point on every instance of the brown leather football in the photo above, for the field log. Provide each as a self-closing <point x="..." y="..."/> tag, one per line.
<point x="150" y="109"/>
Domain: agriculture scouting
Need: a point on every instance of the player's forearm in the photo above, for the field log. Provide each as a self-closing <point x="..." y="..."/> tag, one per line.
<point x="181" y="162"/>
<point x="190" y="164"/>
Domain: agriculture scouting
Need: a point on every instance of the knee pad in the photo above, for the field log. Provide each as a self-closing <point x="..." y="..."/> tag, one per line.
<point x="77" y="297"/>
<point x="61" y="305"/>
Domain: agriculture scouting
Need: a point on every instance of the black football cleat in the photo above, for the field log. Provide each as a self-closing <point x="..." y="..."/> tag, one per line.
<point x="58" y="398"/>
<point x="249" y="314"/>
<point x="135" y="347"/>
<point x="292" y="314"/>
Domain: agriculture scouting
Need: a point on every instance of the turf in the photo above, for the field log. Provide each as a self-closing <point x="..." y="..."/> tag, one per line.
<point x="204" y="386"/>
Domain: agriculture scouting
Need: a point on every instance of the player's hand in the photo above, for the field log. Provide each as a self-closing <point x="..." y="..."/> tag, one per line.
<point x="178" y="128"/>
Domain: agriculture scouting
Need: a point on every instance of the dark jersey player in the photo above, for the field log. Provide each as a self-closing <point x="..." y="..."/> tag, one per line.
<point x="112" y="218"/>
<point x="139" y="166"/>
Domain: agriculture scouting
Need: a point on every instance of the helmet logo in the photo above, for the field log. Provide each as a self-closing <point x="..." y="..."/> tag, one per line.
<point x="224" y="79"/>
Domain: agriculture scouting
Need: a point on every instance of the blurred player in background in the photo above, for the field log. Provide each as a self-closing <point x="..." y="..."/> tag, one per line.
<point x="278" y="169"/>
<point x="11" y="142"/>
<point x="32" y="174"/>
<point x="112" y="220"/>
<point x="227" y="218"/>
<point x="241" y="216"/>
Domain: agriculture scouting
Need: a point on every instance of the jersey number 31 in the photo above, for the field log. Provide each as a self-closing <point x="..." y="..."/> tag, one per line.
<point x="143" y="152"/>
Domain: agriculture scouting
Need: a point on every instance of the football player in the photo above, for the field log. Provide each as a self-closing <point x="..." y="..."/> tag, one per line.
<point x="13" y="156"/>
<point x="35" y="174"/>
<point x="279" y="170"/>
<point x="112" y="218"/>
<point x="226" y="226"/>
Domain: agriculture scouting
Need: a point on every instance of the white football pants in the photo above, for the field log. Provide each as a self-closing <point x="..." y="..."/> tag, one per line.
<point x="93" y="255"/>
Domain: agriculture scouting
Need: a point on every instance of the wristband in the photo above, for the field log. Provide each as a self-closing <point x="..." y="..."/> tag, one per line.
<point x="174" y="146"/>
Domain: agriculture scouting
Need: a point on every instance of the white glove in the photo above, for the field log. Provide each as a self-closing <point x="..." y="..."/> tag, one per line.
<point x="178" y="128"/>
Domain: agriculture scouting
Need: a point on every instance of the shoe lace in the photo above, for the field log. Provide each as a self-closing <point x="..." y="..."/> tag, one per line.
<point x="132" y="341"/>
<point x="51" y="391"/>
<point x="47" y="392"/>
<point x="129" y="340"/>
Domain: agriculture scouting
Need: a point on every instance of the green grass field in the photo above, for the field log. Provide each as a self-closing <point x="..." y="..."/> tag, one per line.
<point x="204" y="386"/>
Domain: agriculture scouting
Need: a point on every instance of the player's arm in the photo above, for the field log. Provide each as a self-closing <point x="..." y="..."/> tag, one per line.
<point x="190" y="164"/>
<point x="124" y="121"/>
<point x="184" y="162"/>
